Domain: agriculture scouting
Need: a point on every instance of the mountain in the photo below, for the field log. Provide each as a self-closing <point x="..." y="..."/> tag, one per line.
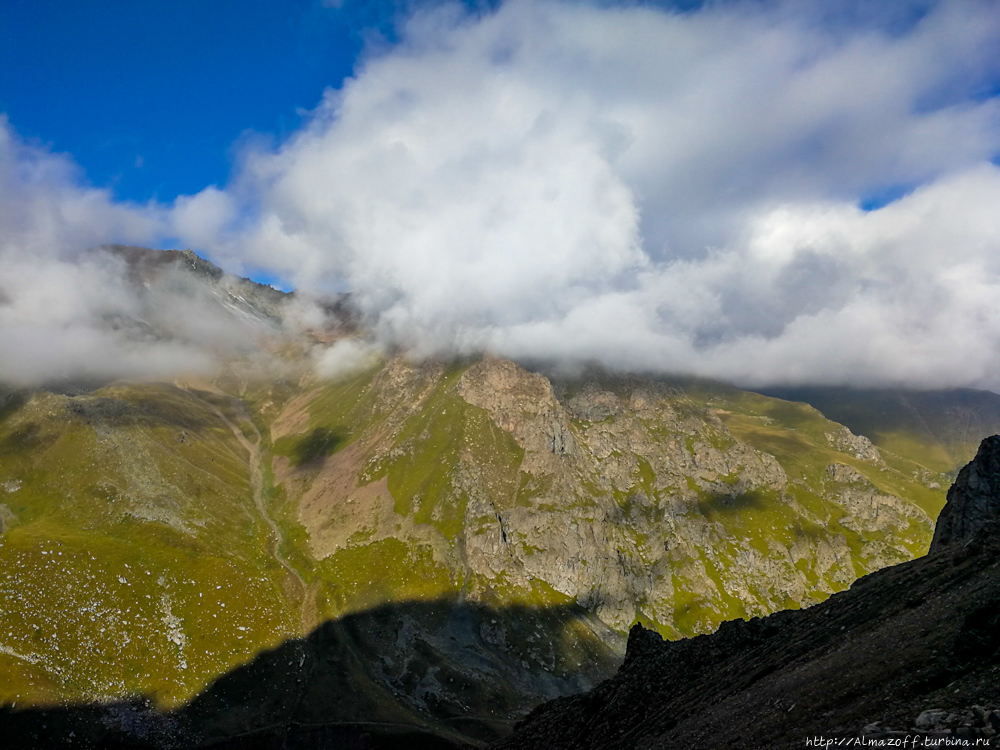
<point x="940" y="429"/>
<point x="912" y="650"/>
<point x="159" y="272"/>
<point x="629" y="496"/>
<point x="445" y="543"/>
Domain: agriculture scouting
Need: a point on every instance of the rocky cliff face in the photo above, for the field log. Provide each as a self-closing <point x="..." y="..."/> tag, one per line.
<point x="910" y="651"/>
<point x="626" y="496"/>
<point x="974" y="499"/>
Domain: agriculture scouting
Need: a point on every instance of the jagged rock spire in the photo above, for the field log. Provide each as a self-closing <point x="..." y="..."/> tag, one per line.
<point x="974" y="498"/>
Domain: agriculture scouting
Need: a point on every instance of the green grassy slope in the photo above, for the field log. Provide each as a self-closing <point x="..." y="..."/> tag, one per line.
<point x="133" y="560"/>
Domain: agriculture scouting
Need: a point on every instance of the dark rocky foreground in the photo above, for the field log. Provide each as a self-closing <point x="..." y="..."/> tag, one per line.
<point x="973" y="500"/>
<point x="912" y="650"/>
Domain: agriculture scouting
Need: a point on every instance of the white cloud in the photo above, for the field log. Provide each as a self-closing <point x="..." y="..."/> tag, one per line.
<point x="655" y="190"/>
<point x="45" y="211"/>
<point x="71" y="315"/>
<point x="345" y="357"/>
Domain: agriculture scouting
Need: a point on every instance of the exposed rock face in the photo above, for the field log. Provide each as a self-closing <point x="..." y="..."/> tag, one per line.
<point x="911" y="650"/>
<point x="857" y="445"/>
<point x="618" y="493"/>
<point x="599" y="532"/>
<point x="974" y="499"/>
<point x="844" y="474"/>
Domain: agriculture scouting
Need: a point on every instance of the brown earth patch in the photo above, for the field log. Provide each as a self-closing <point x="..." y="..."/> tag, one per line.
<point x="294" y="417"/>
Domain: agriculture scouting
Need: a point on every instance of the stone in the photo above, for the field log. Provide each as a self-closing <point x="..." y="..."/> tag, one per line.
<point x="858" y="446"/>
<point x="843" y="473"/>
<point x="974" y="499"/>
<point x="930" y="718"/>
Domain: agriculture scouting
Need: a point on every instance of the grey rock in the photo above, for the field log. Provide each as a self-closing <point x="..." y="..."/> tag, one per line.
<point x="858" y="446"/>
<point x="930" y="718"/>
<point x="974" y="499"/>
<point x="844" y="474"/>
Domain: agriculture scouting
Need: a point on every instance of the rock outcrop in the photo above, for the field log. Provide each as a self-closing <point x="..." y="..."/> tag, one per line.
<point x="909" y="651"/>
<point x="974" y="499"/>
<point x="617" y="492"/>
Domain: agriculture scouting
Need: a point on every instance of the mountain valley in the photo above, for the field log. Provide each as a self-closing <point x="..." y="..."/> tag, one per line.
<point x="417" y="548"/>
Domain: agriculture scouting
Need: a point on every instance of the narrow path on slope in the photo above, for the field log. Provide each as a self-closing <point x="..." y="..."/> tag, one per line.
<point x="257" y="486"/>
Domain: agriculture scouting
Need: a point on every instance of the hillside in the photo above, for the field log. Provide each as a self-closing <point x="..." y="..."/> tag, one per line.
<point x="451" y="542"/>
<point x="631" y="497"/>
<point x="909" y="652"/>
<point x="940" y="429"/>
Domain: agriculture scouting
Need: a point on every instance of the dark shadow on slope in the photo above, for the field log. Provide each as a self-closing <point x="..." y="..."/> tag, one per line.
<point x="717" y="503"/>
<point x="10" y="402"/>
<point x="437" y="675"/>
<point x="317" y="445"/>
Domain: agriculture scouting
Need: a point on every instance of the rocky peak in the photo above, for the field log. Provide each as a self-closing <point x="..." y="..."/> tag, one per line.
<point x="642" y="642"/>
<point x="856" y="445"/>
<point x="974" y="498"/>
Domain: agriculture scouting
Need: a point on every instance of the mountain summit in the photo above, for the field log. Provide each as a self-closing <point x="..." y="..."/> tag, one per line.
<point x="402" y="545"/>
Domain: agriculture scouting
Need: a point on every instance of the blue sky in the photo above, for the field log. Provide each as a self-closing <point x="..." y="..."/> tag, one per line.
<point x="150" y="97"/>
<point x="153" y="99"/>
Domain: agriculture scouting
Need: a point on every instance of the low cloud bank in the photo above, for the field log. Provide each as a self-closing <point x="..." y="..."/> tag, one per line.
<point x="346" y="357"/>
<point x="659" y="191"/>
<point x="72" y="315"/>
<point x="60" y="312"/>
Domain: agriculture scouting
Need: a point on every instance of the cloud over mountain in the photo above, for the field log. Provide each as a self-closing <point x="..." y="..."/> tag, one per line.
<point x="651" y="189"/>
<point x="672" y="191"/>
<point x="67" y="314"/>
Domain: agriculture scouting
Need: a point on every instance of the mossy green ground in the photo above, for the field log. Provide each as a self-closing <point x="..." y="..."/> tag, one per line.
<point x="133" y="560"/>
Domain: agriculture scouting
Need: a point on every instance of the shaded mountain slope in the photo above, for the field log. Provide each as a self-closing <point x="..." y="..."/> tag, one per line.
<point x="939" y="429"/>
<point x="917" y="636"/>
<point x="434" y="687"/>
